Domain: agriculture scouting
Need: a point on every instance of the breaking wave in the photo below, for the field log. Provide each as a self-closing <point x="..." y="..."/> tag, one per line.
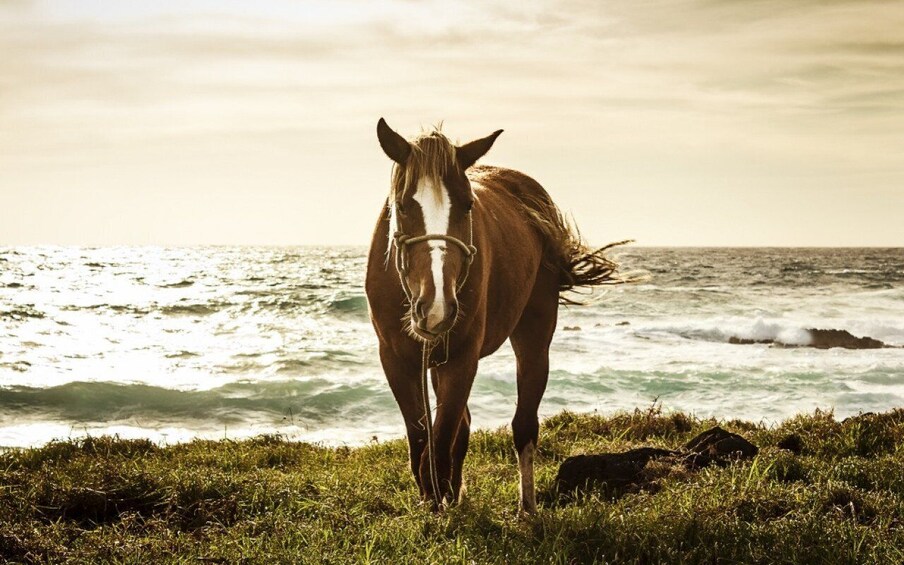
<point x="309" y="400"/>
<point x="783" y="333"/>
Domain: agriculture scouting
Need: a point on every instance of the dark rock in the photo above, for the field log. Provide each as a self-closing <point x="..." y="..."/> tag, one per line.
<point x="858" y="417"/>
<point x="717" y="446"/>
<point x="826" y="339"/>
<point x="792" y="443"/>
<point x="742" y="341"/>
<point x="571" y="329"/>
<point x="614" y="472"/>
<point x="618" y="473"/>
<point x="623" y="323"/>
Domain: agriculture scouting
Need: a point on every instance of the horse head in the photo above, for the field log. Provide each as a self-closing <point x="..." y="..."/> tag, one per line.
<point x="431" y="226"/>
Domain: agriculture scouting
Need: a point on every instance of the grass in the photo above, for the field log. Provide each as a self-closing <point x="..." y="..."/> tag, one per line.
<point x="266" y="500"/>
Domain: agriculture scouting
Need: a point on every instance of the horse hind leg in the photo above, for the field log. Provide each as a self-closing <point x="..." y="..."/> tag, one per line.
<point x="459" y="451"/>
<point x="533" y="372"/>
<point x="530" y="341"/>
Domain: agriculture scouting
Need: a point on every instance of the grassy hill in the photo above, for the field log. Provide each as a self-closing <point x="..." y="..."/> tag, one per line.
<point x="266" y="500"/>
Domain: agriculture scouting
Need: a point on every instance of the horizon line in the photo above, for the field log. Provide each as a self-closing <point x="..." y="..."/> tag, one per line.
<point x="364" y="245"/>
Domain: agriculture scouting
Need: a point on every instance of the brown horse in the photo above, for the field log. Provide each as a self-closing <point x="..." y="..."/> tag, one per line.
<point x="465" y="257"/>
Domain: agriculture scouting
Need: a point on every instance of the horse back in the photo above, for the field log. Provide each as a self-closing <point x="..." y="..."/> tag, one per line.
<point x="510" y="246"/>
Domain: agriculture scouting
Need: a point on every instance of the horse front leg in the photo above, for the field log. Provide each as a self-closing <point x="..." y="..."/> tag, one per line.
<point x="404" y="381"/>
<point x="452" y="383"/>
<point x="459" y="451"/>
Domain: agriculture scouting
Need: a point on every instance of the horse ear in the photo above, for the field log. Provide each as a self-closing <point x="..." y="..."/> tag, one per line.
<point x="393" y="144"/>
<point x="469" y="152"/>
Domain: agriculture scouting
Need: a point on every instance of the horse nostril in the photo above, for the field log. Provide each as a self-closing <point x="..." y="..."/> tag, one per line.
<point x="419" y="309"/>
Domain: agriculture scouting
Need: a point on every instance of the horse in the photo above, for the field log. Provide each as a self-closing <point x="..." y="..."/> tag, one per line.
<point x="463" y="257"/>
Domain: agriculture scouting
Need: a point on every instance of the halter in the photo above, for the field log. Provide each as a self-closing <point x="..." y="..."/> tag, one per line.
<point x="402" y="241"/>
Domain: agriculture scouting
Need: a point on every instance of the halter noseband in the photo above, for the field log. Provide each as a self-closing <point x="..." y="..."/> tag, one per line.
<point x="402" y="241"/>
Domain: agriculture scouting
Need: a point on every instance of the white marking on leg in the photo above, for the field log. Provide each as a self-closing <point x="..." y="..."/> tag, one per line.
<point x="435" y="207"/>
<point x="526" y="469"/>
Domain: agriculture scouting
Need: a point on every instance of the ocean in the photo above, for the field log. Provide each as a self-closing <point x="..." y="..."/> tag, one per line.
<point x="229" y="342"/>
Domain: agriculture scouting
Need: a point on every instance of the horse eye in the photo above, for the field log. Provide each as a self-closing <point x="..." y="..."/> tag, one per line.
<point x="469" y="205"/>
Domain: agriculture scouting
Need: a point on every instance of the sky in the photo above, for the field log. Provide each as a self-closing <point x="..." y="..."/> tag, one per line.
<point x="697" y="122"/>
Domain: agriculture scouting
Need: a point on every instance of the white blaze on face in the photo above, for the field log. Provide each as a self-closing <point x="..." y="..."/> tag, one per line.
<point x="435" y="207"/>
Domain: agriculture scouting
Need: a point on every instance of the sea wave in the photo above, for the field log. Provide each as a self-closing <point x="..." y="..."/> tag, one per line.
<point x="756" y="330"/>
<point x="185" y="283"/>
<point x="760" y="331"/>
<point x="348" y="304"/>
<point x="335" y="304"/>
<point x="313" y="400"/>
<point x="196" y="309"/>
<point x="182" y="355"/>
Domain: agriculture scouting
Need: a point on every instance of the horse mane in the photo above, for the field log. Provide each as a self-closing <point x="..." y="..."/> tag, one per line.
<point x="432" y="156"/>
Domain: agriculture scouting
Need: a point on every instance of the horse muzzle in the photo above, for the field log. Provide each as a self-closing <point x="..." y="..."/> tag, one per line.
<point x="431" y="320"/>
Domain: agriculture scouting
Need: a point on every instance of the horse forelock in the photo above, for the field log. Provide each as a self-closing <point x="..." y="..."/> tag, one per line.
<point x="432" y="156"/>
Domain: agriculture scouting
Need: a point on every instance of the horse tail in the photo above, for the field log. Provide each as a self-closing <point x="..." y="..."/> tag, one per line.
<point x="582" y="267"/>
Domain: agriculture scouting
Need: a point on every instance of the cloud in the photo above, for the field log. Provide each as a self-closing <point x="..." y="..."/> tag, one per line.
<point x="706" y="90"/>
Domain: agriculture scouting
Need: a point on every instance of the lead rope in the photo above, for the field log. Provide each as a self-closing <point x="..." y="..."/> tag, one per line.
<point x="402" y="242"/>
<point x="426" y="350"/>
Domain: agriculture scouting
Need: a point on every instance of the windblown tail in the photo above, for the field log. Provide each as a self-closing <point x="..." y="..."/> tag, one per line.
<point x="583" y="267"/>
<point x="579" y="266"/>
